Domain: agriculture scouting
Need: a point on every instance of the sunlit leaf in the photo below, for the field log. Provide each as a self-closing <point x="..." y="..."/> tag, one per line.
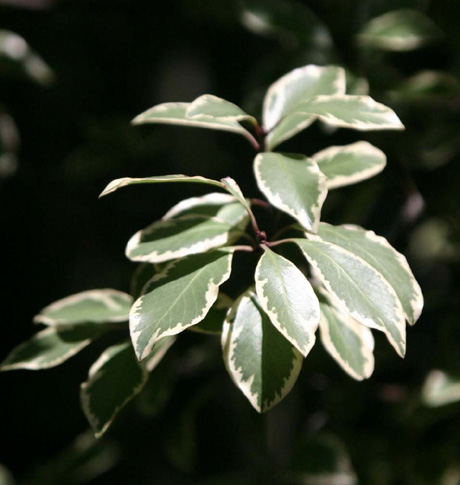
<point x="293" y="184"/>
<point x="358" y="289"/>
<point x="177" y="298"/>
<point x="377" y="252"/>
<point x="349" y="343"/>
<point x="261" y="362"/>
<point x="346" y="165"/>
<point x="287" y="297"/>
<point x="92" y="306"/>
<point x="176" y="114"/>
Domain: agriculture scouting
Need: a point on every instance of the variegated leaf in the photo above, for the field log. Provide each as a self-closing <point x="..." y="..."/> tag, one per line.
<point x="209" y="107"/>
<point x="143" y="273"/>
<point x="114" y="379"/>
<point x="349" y="343"/>
<point x="233" y="188"/>
<point x="175" y="238"/>
<point x="348" y="111"/>
<point x="176" y="114"/>
<point x="93" y="306"/>
<point x="158" y="352"/>
<point x="160" y="179"/>
<point x="293" y="184"/>
<point x="50" y="347"/>
<point x="376" y="251"/>
<point x="260" y="361"/>
<point x="350" y="164"/>
<point x="287" y="297"/>
<point x="358" y="289"/>
<point x="285" y="94"/>
<point x="214" y="320"/>
<point x="400" y="30"/>
<point x="177" y="298"/>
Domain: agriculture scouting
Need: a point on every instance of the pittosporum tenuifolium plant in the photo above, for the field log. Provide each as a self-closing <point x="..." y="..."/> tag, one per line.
<point x="353" y="280"/>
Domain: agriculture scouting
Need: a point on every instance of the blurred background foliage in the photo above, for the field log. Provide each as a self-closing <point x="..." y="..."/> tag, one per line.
<point x="73" y="73"/>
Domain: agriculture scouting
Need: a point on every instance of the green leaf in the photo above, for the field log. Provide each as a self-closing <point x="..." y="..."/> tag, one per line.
<point x="347" y="165"/>
<point x="400" y="30"/>
<point x="287" y="297"/>
<point x="93" y="306"/>
<point x="50" y="347"/>
<point x="158" y="352"/>
<point x="214" y="320"/>
<point x="284" y="96"/>
<point x="175" y="238"/>
<point x="160" y="179"/>
<point x="143" y="273"/>
<point x="233" y="188"/>
<point x="377" y="252"/>
<point x="358" y="289"/>
<point x="293" y="184"/>
<point x="113" y="380"/>
<point x="209" y="107"/>
<point x="176" y="114"/>
<point x="349" y="343"/>
<point x="440" y="389"/>
<point x="260" y="361"/>
<point x="177" y="298"/>
<point x="348" y="111"/>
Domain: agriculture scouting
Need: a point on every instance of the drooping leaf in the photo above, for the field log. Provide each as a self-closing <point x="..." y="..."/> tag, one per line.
<point x="400" y="30"/>
<point x="349" y="343"/>
<point x="213" y="322"/>
<point x="50" y="347"/>
<point x="176" y="114"/>
<point x="346" y="165"/>
<point x="160" y="179"/>
<point x="287" y="297"/>
<point x="358" y="289"/>
<point x="284" y="96"/>
<point x="348" y="111"/>
<point x="93" y="306"/>
<point x="233" y="188"/>
<point x="177" y="298"/>
<point x="440" y="389"/>
<point x="178" y="237"/>
<point x="209" y="107"/>
<point x="377" y="252"/>
<point x="293" y="184"/>
<point x="113" y="380"/>
<point x="260" y="361"/>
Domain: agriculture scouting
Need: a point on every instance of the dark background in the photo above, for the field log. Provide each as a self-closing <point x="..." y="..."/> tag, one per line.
<point x="113" y="60"/>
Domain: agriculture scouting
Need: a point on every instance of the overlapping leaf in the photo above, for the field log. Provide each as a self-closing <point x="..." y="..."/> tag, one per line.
<point x="176" y="114"/>
<point x="350" y="111"/>
<point x="287" y="297"/>
<point x="358" y="289"/>
<point x="177" y="298"/>
<point x="50" y="347"/>
<point x="400" y="30"/>
<point x="261" y="362"/>
<point x="114" y="379"/>
<point x="93" y="306"/>
<point x="284" y="96"/>
<point x="346" y="165"/>
<point x="347" y="341"/>
<point x="293" y="184"/>
<point x="377" y="252"/>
